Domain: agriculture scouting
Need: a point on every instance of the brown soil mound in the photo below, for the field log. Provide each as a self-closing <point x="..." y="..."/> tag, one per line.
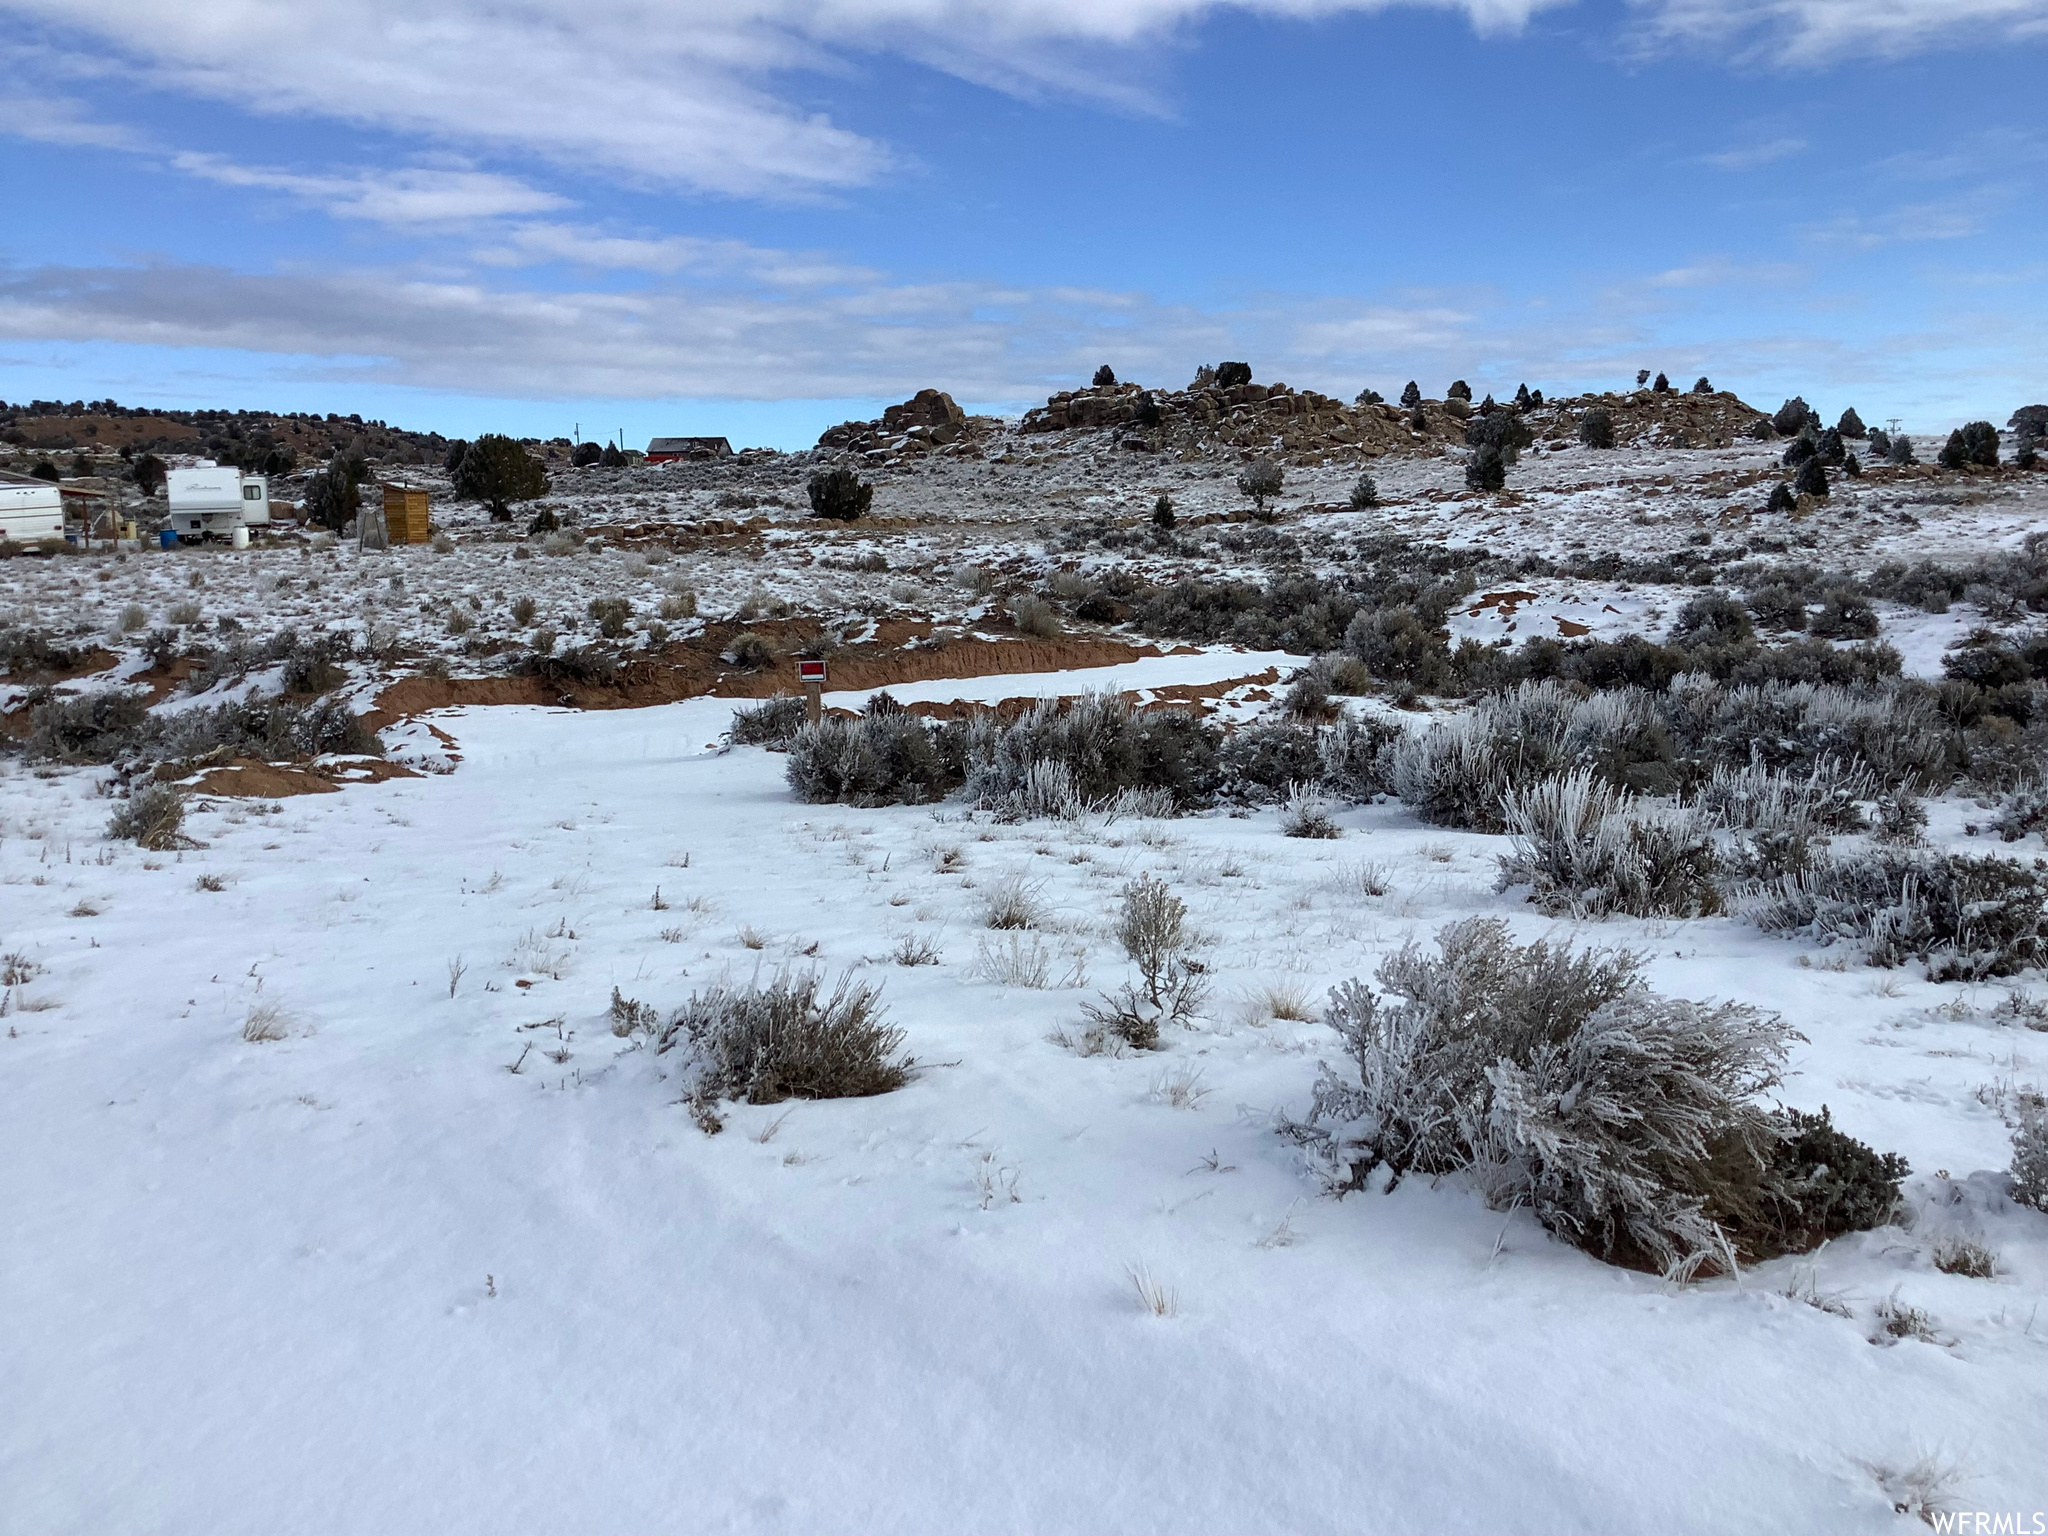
<point x="250" y="778"/>
<point x="694" y="669"/>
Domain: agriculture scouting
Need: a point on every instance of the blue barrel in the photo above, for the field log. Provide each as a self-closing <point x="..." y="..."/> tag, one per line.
<point x="167" y="538"/>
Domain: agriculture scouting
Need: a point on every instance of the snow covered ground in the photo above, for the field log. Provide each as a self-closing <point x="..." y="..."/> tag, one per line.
<point x="448" y="1256"/>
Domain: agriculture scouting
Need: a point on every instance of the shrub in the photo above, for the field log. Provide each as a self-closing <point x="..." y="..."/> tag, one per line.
<point x="2029" y="1174"/>
<point x="772" y="722"/>
<point x="1819" y="1184"/>
<point x="1398" y="644"/>
<point x="1589" y="850"/>
<point x="153" y="816"/>
<point x="1901" y="451"/>
<point x="613" y="457"/>
<point x="1812" y="479"/>
<point x="1086" y="754"/>
<point x="1259" y="480"/>
<point x="581" y="666"/>
<point x="613" y="615"/>
<point x="1965" y="918"/>
<point x="1844" y="615"/>
<point x="1596" y="429"/>
<point x="1365" y="494"/>
<point x="1152" y="928"/>
<point x="883" y="757"/>
<point x="1034" y="616"/>
<point x="1823" y="799"/>
<point x="750" y="652"/>
<point x="1231" y="375"/>
<point x="839" y="494"/>
<point x="1104" y="376"/>
<point x="497" y="470"/>
<point x="1712" y="618"/>
<point x="1624" y="1120"/>
<point x="523" y="610"/>
<point x="765" y="1044"/>
<point x="1777" y="607"/>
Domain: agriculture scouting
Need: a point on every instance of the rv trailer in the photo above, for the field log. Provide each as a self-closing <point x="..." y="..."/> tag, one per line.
<point x="215" y="501"/>
<point x="29" y="513"/>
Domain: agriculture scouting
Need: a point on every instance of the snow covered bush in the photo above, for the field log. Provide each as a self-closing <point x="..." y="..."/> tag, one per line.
<point x="1625" y="1121"/>
<point x="885" y="757"/>
<point x="152" y="816"/>
<point x="2030" y="1157"/>
<point x="1307" y="814"/>
<point x="1588" y="849"/>
<point x="1152" y="928"/>
<point x="1088" y="753"/>
<point x="772" y="722"/>
<point x="1822" y="799"/>
<point x="766" y="1043"/>
<point x="1965" y="918"/>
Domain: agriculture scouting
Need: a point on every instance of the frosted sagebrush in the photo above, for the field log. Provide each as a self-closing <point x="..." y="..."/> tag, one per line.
<point x="764" y="1043"/>
<point x="1587" y="849"/>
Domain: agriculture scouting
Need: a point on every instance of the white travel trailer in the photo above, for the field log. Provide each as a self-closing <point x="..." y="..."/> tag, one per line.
<point x="31" y="512"/>
<point x="215" y="501"/>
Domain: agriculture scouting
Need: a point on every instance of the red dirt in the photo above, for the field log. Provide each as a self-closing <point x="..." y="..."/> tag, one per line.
<point x="693" y="669"/>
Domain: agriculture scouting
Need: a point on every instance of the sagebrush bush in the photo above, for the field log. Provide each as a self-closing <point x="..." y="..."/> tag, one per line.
<point x="1966" y="918"/>
<point x="1815" y="801"/>
<point x="1034" y="616"/>
<point x="2029" y="1173"/>
<point x="1097" y="746"/>
<point x="1307" y="814"/>
<point x="883" y="757"/>
<point x="112" y="726"/>
<point x="772" y="722"/>
<point x="152" y="816"/>
<point x="766" y="1043"/>
<point x="1624" y="1120"/>
<point x="1588" y="850"/>
<point x="1152" y="928"/>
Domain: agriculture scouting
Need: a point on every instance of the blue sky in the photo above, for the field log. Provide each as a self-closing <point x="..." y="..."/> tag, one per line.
<point x="759" y="217"/>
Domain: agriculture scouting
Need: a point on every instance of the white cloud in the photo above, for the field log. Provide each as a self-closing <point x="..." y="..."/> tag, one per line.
<point x="1799" y="33"/>
<point x="695" y="92"/>
<point x="535" y="244"/>
<point x="399" y="196"/>
<point x="1748" y="157"/>
<point x="61" y="120"/>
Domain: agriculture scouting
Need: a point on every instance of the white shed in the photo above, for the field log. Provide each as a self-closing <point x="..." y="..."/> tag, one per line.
<point x="31" y="512"/>
<point x="216" y="500"/>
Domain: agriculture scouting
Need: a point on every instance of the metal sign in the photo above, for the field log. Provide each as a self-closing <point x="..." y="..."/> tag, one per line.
<point x="810" y="671"/>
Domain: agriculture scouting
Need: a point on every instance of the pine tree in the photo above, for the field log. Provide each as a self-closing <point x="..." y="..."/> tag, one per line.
<point x="1901" y="451"/>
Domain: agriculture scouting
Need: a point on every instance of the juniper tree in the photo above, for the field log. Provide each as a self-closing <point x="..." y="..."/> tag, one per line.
<point x="1880" y="443"/>
<point x="1487" y="469"/>
<point x="1792" y="416"/>
<point x="586" y="454"/>
<point x="1230" y="375"/>
<point x="1782" y="499"/>
<point x="148" y="473"/>
<point x="1459" y="390"/>
<point x="839" y="494"/>
<point x="1104" y="376"/>
<point x="1830" y="446"/>
<point x="1901" y="451"/>
<point x="1411" y="397"/>
<point x="1812" y="479"/>
<point x="1662" y="386"/>
<point x="1522" y="397"/>
<point x="1162" y="513"/>
<point x="497" y="470"/>
<point x="453" y="459"/>
<point x="1260" y="479"/>
<point x="1851" y="425"/>
<point x="1801" y="448"/>
<point x="1365" y="494"/>
<point x="1701" y="386"/>
<point x="1369" y="396"/>
<point x="1642" y="377"/>
<point x="1596" y="429"/>
<point x="613" y="457"/>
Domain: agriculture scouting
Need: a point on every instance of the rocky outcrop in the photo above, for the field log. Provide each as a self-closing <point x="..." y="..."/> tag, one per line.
<point x="1241" y="417"/>
<point x="1645" y="418"/>
<point x="929" y="421"/>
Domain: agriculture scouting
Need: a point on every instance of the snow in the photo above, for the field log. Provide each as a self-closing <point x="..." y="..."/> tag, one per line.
<point x="366" y="1278"/>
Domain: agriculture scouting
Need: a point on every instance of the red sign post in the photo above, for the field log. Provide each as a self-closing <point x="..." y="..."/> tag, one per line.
<point x="811" y="673"/>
